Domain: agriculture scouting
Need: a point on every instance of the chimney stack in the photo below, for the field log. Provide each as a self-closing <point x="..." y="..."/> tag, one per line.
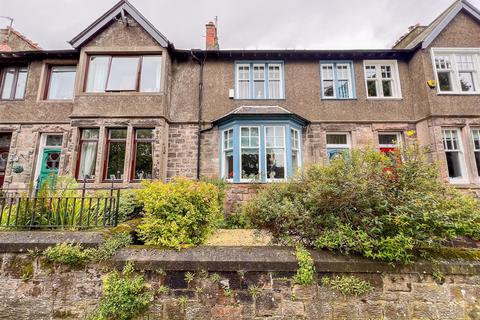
<point x="211" y="36"/>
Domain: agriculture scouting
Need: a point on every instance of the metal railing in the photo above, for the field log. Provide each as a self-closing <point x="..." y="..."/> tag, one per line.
<point x="75" y="208"/>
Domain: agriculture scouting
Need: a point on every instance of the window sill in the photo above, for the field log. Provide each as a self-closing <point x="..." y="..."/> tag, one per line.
<point x="458" y="93"/>
<point x="385" y="98"/>
<point x="122" y="93"/>
<point x="12" y="100"/>
<point x="265" y="99"/>
<point x="56" y="101"/>
<point x="459" y="182"/>
<point x="338" y="99"/>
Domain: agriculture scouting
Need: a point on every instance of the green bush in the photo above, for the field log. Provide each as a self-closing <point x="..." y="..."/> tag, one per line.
<point x="178" y="214"/>
<point x="125" y="296"/>
<point x="385" y="208"/>
<point x="347" y="285"/>
<point x="68" y="253"/>
<point x="236" y="221"/>
<point x="111" y="245"/>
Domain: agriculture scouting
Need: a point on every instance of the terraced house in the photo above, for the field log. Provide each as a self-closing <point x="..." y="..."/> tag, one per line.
<point x="125" y="105"/>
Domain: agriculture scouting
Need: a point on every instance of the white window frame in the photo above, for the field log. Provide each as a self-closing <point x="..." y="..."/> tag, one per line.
<point x="298" y="148"/>
<point x="390" y="145"/>
<point x="396" y="86"/>
<point x="225" y="150"/>
<point x="249" y="147"/>
<point x="452" y="53"/>
<point x="284" y="147"/>
<point x="461" y="151"/>
<point x="251" y="82"/>
<point x="347" y="146"/>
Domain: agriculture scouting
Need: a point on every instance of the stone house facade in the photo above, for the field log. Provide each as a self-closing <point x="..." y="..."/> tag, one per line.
<point x="125" y="105"/>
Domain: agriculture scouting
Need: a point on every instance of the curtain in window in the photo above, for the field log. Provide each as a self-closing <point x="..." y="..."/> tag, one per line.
<point x="97" y="74"/>
<point x="87" y="160"/>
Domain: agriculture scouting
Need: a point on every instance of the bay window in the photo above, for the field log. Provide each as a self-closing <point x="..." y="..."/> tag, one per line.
<point x="382" y="79"/>
<point x="457" y="71"/>
<point x="338" y="144"/>
<point x="124" y="73"/>
<point x="452" y="145"/>
<point x="115" y="157"/>
<point x="259" y="80"/>
<point x="88" y="148"/>
<point x="260" y="151"/>
<point x="13" y="83"/>
<point x="337" y="80"/>
<point x="61" y="82"/>
<point x="142" y="165"/>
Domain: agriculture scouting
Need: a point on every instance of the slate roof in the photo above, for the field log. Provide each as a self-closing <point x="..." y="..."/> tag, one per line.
<point x="245" y="112"/>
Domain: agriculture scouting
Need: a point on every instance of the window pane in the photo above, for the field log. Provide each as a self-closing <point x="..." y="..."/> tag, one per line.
<point x="337" y="139"/>
<point x="275" y="163"/>
<point x="387" y="88"/>
<point x="228" y="164"/>
<point x="118" y="133"/>
<point x="151" y="74"/>
<point x="250" y="163"/>
<point x="343" y="89"/>
<point x="333" y="153"/>
<point x="97" y="73"/>
<point x="387" y="139"/>
<point x="21" y="83"/>
<point x="259" y="82"/>
<point x="243" y="76"/>
<point x="54" y="141"/>
<point x="88" y="160"/>
<point x="466" y="81"/>
<point x="8" y="83"/>
<point x="89" y="134"/>
<point x="62" y="80"/>
<point x="477" y="161"/>
<point x="372" y="88"/>
<point x="143" y="161"/>
<point x="274" y="89"/>
<point x="123" y="73"/>
<point x="295" y="161"/>
<point x="116" y="160"/>
<point x="144" y="133"/>
<point x="5" y="140"/>
<point x="453" y="164"/>
<point x="444" y="81"/>
<point x="328" y="90"/>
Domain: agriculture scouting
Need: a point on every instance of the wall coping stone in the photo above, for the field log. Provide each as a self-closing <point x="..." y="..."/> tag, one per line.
<point x="218" y="258"/>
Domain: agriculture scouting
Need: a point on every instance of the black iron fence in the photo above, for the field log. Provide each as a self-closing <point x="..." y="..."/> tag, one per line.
<point x="76" y="208"/>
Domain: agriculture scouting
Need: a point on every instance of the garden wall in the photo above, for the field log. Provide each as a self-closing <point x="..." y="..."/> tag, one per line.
<point x="231" y="283"/>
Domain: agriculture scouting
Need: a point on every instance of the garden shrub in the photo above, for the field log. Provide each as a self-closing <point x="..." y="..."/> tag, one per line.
<point x="125" y="296"/>
<point x="68" y="253"/>
<point x="383" y="207"/>
<point x="236" y="221"/>
<point x="178" y="214"/>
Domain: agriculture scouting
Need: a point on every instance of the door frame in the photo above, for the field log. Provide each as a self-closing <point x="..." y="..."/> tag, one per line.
<point x="42" y="146"/>
<point x="2" y="182"/>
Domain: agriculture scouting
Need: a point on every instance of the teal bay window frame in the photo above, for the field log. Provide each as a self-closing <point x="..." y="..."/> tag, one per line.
<point x="266" y="88"/>
<point x="236" y="126"/>
<point x="335" y="64"/>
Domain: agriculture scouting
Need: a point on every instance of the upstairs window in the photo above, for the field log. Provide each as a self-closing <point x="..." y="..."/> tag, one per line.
<point x="124" y="73"/>
<point x="61" y="82"/>
<point x="381" y="79"/>
<point x="457" y="72"/>
<point x="338" y="144"/>
<point x="337" y="80"/>
<point x="452" y="145"/>
<point x="14" y="83"/>
<point x="259" y="80"/>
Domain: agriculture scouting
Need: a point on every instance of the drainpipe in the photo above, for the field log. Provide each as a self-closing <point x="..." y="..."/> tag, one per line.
<point x="200" y="107"/>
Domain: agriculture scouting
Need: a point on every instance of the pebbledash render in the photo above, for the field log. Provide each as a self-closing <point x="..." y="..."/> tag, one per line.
<point x="125" y="105"/>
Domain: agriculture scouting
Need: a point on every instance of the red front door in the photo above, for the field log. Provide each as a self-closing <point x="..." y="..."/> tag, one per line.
<point x="4" y="149"/>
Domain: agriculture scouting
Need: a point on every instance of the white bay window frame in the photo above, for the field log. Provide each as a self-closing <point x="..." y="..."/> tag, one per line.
<point x="453" y="146"/>
<point x="449" y="60"/>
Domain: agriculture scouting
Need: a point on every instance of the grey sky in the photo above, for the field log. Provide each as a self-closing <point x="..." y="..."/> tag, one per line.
<point x="249" y="24"/>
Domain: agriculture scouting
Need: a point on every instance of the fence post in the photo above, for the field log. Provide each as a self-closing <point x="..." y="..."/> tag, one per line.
<point x="83" y="200"/>
<point x="115" y="220"/>
<point x="111" y="203"/>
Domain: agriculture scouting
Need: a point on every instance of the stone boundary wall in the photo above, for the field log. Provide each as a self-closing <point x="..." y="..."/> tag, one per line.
<point x="232" y="283"/>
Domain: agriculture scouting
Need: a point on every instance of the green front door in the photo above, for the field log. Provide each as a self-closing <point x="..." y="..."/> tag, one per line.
<point x="49" y="168"/>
